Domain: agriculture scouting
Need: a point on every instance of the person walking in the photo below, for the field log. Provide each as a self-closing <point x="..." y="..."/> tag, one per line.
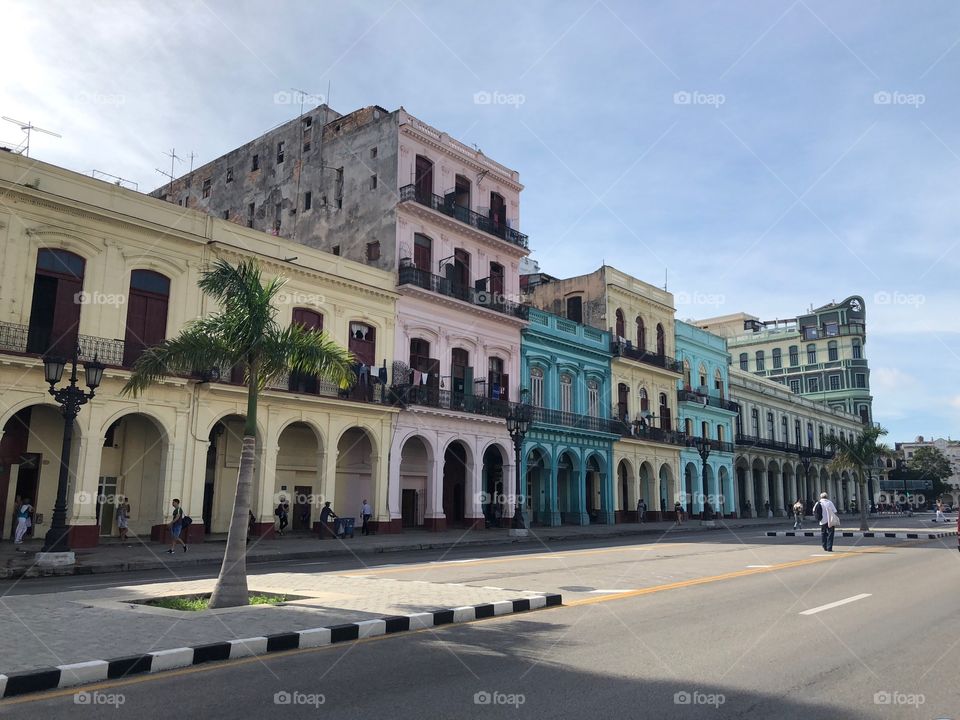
<point x="282" y="516"/>
<point x="23" y="517"/>
<point x="641" y="510"/>
<point x="123" y="517"/>
<point x="678" y="511"/>
<point x="326" y="515"/>
<point x="940" y="516"/>
<point x="366" y="512"/>
<point x="826" y="512"/>
<point x="251" y="523"/>
<point x="176" y="527"/>
<point x="766" y="506"/>
<point x="797" y="514"/>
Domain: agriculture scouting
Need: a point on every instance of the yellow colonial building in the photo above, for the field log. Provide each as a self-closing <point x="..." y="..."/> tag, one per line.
<point x="91" y="265"/>
<point x="644" y="374"/>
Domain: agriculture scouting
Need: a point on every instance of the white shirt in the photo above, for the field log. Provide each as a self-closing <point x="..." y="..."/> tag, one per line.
<point x="829" y="511"/>
<point x="366" y="509"/>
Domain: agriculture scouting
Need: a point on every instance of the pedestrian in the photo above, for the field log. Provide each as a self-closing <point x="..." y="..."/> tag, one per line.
<point x="282" y="515"/>
<point x="826" y="512"/>
<point x="176" y="527"/>
<point x="766" y="506"/>
<point x="678" y="511"/>
<point x="123" y="517"/>
<point x="641" y="510"/>
<point x="366" y="512"/>
<point x="23" y="517"/>
<point x="326" y="515"/>
<point x="251" y="523"/>
<point x="940" y="516"/>
<point x="797" y="514"/>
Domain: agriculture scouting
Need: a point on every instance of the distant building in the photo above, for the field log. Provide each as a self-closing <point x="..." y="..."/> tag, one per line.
<point x="819" y="355"/>
<point x="950" y="448"/>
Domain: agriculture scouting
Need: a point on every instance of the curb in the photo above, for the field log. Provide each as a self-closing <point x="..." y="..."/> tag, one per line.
<point x="95" y="568"/>
<point x="91" y="671"/>
<point x="868" y="534"/>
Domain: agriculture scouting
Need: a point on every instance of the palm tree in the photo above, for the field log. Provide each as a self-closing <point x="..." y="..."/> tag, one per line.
<point x="858" y="453"/>
<point x="244" y="333"/>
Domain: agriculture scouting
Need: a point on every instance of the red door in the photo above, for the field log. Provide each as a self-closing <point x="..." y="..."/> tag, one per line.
<point x="55" y="309"/>
<point x="423" y="180"/>
<point x="146" y="313"/>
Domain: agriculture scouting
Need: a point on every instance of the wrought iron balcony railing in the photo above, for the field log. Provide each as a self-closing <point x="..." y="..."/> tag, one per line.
<point x="464" y="215"/>
<point x="627" y="350"/>
<point x="715" y="445"/>
<point x="24" y="340"/>
<point x="768" y="444"/>
<point x="410" y="275"/>
<point x="639" y="431"/>
<point x="711" y="400"/>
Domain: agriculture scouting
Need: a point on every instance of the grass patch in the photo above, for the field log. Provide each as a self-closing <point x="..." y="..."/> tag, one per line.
<point x="193" y="603"/>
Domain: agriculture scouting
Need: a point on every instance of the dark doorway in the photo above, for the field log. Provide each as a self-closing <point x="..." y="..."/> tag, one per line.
<point x="454" y="483"/>
<point x="55" y="308"/>
<point x="301" y="507"/>
<point x="408" y="507"/>
<point x="423" y="180"/>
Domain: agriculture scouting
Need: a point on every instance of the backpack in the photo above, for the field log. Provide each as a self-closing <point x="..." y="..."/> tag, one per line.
<point x="818" y="512"/>
<point x="186" y="521"/>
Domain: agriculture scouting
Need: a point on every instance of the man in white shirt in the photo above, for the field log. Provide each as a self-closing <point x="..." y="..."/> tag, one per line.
<point x="829" y="520"/>
<point x="365" y="512"/>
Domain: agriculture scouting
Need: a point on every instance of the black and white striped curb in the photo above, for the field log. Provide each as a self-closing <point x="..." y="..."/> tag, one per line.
<point x="91" y="671"/>
<point x="920" y="535"/>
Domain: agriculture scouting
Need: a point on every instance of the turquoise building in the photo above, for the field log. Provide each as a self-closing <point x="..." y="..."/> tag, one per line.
<point x="707" y="417"/>
<point x="568" y="450"/>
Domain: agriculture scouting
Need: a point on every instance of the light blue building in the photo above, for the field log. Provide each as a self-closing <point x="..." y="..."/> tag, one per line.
<point x="707" y="416"/>
<point x="568" y="451"/>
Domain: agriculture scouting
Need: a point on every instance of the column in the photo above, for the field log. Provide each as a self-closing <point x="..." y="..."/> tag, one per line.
<point x="579" y="510"/>
<point x="778" y="501"/>
<point x="434" y="519"/>
<point x="475" y="495"/>
<point x="553" y="495"/>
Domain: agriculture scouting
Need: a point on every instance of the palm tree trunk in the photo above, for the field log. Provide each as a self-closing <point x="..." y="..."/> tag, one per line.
<point x="861" y="502"/>
<point x="231" y="587"/>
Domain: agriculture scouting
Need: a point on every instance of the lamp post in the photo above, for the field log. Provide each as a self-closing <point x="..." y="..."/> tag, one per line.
<point x="703" y="447"/>
<point x="805" y="461"/>
<point x="518" y="423"/>
<point x="70" y="399"/>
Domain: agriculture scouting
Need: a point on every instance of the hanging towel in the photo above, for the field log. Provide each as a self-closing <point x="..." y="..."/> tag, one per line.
<point x="416" y="377"/>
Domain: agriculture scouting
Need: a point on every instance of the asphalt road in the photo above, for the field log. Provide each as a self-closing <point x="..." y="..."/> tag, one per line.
<point x="712" y="626"/>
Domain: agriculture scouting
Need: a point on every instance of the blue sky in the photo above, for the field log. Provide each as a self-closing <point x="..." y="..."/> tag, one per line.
<point x="764" y="156"/>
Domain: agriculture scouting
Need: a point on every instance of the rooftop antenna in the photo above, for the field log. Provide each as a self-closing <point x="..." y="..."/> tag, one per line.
<point x="665" y="270"/>
<point x="192" y="156"/>
<point x="173" y="157"/>
<point x="29" y="127"/>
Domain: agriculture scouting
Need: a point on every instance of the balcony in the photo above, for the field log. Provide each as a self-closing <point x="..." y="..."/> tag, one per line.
<point x="627" y="350"/>
<point x="427" y="396"/>
<point x="638" y="431"/>
<point x="464" y="215"/>
<point x="19" y="340"/>
<point x="572" y="420"/>
<point x="779" y="445"/>
<point x="410" y="275"/>
<point x="704" y="399"/>
<point x="715" y="445"/>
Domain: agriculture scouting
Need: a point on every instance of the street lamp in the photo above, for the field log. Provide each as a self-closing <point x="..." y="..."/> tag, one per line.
<point x="518" y="423"/>
<point x="703" y="447"/>
<point x="805" y="461"/>
<point x="70" y="399"/>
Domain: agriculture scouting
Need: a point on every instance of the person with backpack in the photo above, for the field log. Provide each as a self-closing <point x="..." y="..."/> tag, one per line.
<point x="826" y="513"/>
<point x="178" y="522"/>
<point x="797" y="514"/>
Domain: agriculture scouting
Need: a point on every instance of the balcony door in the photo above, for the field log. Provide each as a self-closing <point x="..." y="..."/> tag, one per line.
<point x="461" y="374"/>
<point x="363" y="343"/>
<point x="309" y="320"/>
<point x="665" y="420"/>
<point x="498" y="212"/>
<point x="498" y="382"/>
<point x="623" y="395"/>
<point x="422" y="252"/>
<point x="55" y="309"/>
<point x="423" y="180"/>
<point x="425" y="372"/>
<point x="146" y="313"/>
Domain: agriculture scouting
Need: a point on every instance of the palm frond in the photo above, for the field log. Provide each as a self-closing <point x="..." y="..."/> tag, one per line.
<point x="307" y="351"/>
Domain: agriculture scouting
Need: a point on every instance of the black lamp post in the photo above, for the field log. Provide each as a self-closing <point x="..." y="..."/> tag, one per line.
<point x="805" y="461"/>
<point x="70" y="398"/>
<point x="703" y="447"/>
<point x="518" y="423"/>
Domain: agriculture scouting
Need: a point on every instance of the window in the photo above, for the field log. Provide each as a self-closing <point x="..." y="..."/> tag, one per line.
<point x="857" y="350"/>
<point x="308" y="200"/>
<point x="705" y="429"/>
<point x="809" y="435"/>
<point x="810" y="332"/>
<point x="784" y="429"/>
<point x="661" y="340"/>
<point x="718" y="383"/>
<point x="760" y="361"/>
<point x="721" y="433"/>
<point x="777" y="358"/>
<point x="593" y="398"/>
<point x="641" y="335"/>
<point x="496" y="282"/>
<point x="620" y="328"/>
<point x="338" y="198"/>
<point x="813" y="384"/>
<point x="229" y="174"/>
<point x="146" y="313"/>
<point x="665" y="422"/>
<point x="307" y="122"/>
<point x="497" y="381"/>
<point x="422" y="252"/>
<point x="373" y="153"/>
<point x="373" y="251"/>
<point x="255" y="163"/>
<point x="306" y="146"/>
<point x="688" y="427"/>
<point x="831" y="329"/>
<point x="686" y="373"/>
<point x="644" y="400"/>
<point x="796" y="432"/>
<point x="206" y="188"/>
<point x="811" y="354"/>
<point x="225" y="214"/>
<point x="702" y="372"/>
<point x="363" y="343"/>
<point x="279" y="152"/>
<point x="834" y="382"/>
<point x="251" y="211"/>
<point x="536" y="387"/>
<point x="832" y="351"/>
<point x="623" y="396"/>
<point x="566" y="393"/>
<point x="755" y="422"/>
<point x="336" y="250"/>
<point x="794" y="356"/>
<point x="860" y="380"/>
<point x="461" y="372"/>
<point x="373" y="182"/>
<point x="795" y="386"/>
<point x="744" y="361"/>
<point x="423" y="180"/>
<point x="770" y="426"/>
<point x="308" y="320"/>
<point x="575" y="309"/>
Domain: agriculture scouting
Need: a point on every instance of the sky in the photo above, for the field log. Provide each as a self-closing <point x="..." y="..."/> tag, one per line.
<point x="762" y="157"/>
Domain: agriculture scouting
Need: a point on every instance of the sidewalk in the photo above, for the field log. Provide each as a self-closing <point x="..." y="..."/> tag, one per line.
<point x="111" y="557"/>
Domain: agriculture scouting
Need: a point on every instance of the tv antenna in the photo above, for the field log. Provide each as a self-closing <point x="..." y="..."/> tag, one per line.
<point x="173" y="158"/>
<point x="29" y="127"/>
<point x="192" y="157"/>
